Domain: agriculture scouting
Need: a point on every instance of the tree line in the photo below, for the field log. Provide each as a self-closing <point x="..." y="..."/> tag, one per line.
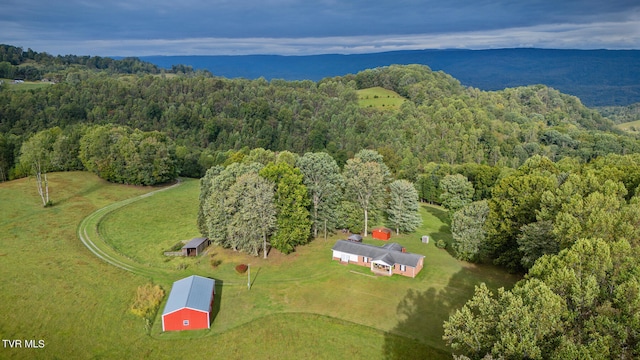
<point x="16" y="63"/>
<point x="206" y="117"/>
<point x="283" y="200"/>
<point x="573" y="227"/>
<point x="116" y="154"/>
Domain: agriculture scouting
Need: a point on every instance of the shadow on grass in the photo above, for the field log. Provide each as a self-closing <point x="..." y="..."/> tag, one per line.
<point x="84" y="193"/>
<point x="419" y="334"/>
<point x="444" y="232"/>
<point x="217" y="300"/>
<point x="255" y="276"/>
<point x="441" y="214"/>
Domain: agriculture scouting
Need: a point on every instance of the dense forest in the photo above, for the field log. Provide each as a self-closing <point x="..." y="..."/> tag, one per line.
<point x="597" y="77"/>
<point x="15" y="63"/>
<point x="533" y="181"/>
<point x="209" y="118"/>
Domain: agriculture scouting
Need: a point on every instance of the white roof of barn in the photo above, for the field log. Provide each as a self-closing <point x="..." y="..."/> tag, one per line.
<point x="194" y="292"/>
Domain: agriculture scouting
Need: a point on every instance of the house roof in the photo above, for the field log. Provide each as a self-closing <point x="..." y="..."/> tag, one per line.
<point x="194" y="292"/>
<point x="355" y="237"/>
<point x="389" y="253"/>
<point x="194" y="243"/>
<point x="392" y="246"/>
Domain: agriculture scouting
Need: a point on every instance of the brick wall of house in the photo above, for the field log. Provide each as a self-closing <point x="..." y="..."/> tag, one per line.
<point x="409" y="270"/>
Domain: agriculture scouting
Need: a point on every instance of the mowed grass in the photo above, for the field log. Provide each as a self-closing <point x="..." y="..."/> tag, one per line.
<point x="54" y="289"/>
<point x="408" y="312"/>
<point x="633" y="126"/>
<point x="379" y="98"/>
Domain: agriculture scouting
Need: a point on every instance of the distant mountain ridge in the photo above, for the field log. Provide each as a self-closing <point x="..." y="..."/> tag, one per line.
<point x="597" y="77"/>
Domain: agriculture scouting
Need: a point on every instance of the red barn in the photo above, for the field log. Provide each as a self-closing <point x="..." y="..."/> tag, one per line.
<point x="189" y="304"/>
<point x="381" y="234"/>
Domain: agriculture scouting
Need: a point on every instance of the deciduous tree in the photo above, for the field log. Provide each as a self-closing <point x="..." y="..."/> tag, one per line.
<point x="323" y="180"/>
<point x="457" y="192"/>
<point x="467" y="228"/>
<point x="364" y="184"/>
<point x="36" y="155"/>
<point x="291" y="202"/>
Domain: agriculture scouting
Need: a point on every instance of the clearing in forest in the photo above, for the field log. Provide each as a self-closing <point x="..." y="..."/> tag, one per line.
<point x="380" y="98"/>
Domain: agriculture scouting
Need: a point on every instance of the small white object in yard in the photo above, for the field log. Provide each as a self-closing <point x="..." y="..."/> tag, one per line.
<point x="425" y="239"/>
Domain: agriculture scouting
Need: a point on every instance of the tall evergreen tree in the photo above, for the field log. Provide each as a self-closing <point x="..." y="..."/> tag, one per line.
<point x="214" y="202"/>
<point x="252" y="213"/>
<point x="403" y="208"/>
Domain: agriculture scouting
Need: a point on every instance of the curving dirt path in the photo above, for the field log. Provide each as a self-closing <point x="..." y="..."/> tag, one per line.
<point x="91" y="238"/>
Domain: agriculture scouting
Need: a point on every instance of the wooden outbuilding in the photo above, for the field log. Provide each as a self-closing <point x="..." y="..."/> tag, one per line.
<point x="189" y="304"/>
<point x="381" y="234"/>
<point x="195" y="247"/>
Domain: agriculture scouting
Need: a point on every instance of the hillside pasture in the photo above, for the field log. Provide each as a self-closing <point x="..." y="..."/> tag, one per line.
<point x="300" y="305"/>
<point x="633" y="126"/>
<point x="26" y="85"/>
<point x="379" y="98"/>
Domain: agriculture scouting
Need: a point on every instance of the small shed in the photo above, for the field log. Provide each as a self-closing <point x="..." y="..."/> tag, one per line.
<point x="381" y="234"/>
<point x="355" y="238"/>
<point x="189" y="304"/>
<point x="195" y="247"/>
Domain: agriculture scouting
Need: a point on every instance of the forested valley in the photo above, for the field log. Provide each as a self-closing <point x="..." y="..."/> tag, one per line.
<point x="533" y="180"/>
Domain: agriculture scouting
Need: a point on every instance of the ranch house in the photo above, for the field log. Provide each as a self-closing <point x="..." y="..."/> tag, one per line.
<point x="189" y="304"/>
<point x="385" y="260"/>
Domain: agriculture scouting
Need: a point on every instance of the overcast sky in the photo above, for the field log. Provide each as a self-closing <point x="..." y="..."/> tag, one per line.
<point x="303" y="27"/>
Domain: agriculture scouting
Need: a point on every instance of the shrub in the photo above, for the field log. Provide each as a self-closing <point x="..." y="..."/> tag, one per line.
<point x="177" y="246"/>
<point x="148" y="298"/>
<point x="440" y="244"/>
<point x="214" y="262"/>
<point x="242" y="268"/>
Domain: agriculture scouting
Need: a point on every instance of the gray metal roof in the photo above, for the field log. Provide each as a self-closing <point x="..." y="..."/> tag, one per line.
<point x="194" y="243"/>
<point x="355" y="237"/>
<point x="392" y="246"/>
<point x="194" y="292"/>
<point x="393" y="250"/>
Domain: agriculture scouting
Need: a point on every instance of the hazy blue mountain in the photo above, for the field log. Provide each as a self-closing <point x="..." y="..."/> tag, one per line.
<point x="597" y="77"/>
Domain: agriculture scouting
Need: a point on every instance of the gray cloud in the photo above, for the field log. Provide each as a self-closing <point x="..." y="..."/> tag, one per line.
<point x="144" y="27"/>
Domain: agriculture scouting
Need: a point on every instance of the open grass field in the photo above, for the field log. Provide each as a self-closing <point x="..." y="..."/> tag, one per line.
<point x="27" y="85"/>
<point x="633" y="126"/>
<point x="300" y="306"/>
<point x="380" y="98"/>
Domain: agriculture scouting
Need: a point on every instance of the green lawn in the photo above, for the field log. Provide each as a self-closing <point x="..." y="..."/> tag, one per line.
<point x="300" y="305"/>
<point x="633" y="126"/>
<point x="379" y="98"/>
